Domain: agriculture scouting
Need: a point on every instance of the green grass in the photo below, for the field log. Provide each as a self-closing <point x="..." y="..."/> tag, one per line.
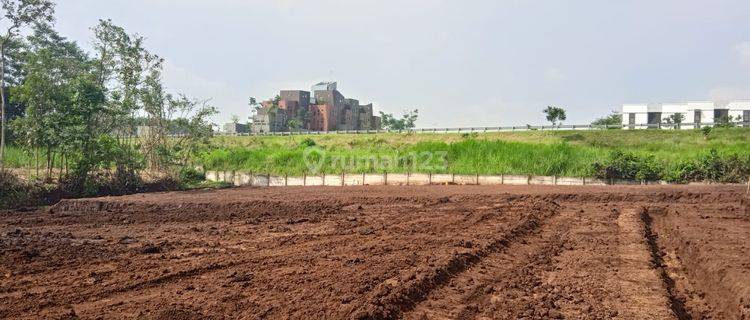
<point x="568" y="153"/>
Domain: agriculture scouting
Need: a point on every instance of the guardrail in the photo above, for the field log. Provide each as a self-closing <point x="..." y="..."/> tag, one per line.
<point x="683" y="126"/>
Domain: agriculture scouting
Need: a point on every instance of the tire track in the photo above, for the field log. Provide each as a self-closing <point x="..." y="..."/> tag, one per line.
<point x="505" y="278"/>
<point x="676" y="304"/>
<point x="640" y="275"/>
<point x="390" y="303"/>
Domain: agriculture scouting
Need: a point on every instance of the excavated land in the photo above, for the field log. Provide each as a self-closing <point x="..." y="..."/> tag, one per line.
<point x="430" y="252"/>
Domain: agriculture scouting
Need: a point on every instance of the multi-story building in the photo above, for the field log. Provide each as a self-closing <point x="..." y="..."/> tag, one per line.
<point x="269" y="119"/>
<point x="235" y="128"/>
<point x="693" y="114"/>
<point x="324" y="108"/>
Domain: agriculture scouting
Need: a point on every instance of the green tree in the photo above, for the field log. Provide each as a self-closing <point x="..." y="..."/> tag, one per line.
<point x="675" y="120"/>
<point x="614" y="119"/>
<point x="555" y="115"/>
<point x="191" y="119"/>
<point x="51" y="65"/>
<point x="17" y="14"/>
<point x="294" y="124"/>
<point x="407" y="120"/>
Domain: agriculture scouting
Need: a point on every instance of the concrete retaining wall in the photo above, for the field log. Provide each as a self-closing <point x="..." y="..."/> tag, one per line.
<point x="374" y="179"/>
<point x="515" y="179"/>
<point x="239" y="178"/>
<point x="396" y="179"/>
<point x="442" y="178"/>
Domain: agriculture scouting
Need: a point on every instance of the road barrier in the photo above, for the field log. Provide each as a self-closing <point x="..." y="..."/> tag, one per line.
<point x="241" y="178"/>
<point x="684" y="126"/>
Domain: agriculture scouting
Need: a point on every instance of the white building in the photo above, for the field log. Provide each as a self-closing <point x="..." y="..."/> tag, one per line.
<point x="695" y="114"/>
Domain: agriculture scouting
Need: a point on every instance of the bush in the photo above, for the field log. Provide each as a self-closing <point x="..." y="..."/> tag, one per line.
<point x="629" y="166"/>
<point x="307" y="142"/>
<point x="15" y="193"/>
<point x="713" y="167"/>
<point x="191" y="176"/>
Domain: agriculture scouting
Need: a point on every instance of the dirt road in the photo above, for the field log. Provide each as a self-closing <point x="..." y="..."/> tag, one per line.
<point x="432" y="252"/>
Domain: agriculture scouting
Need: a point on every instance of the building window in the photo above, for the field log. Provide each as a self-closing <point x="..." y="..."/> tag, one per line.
<point x="697" y="116"/>
<point x="721" y="115"/>
<point x="654" y="117"/>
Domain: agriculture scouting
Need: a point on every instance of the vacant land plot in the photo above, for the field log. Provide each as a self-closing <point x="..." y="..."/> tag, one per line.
<point x="433" y="252"/>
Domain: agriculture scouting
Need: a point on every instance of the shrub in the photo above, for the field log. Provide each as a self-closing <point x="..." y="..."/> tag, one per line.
<point x="307" y="142"/>
<point x="630" y="166"/>
<point x="713" y="167"/>
<point x="14" y="192"/>
<point x="189" y="175"/>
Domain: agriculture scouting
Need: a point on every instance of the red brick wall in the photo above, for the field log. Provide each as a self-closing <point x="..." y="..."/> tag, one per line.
<point x="321" y="117"/>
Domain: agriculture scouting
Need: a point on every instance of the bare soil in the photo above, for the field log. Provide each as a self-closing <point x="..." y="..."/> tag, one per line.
<point x="432" y="252"/>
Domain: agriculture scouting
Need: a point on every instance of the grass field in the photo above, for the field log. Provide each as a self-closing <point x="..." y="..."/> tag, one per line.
<point x="569" y="153"/>
<point x="565" y="153"/>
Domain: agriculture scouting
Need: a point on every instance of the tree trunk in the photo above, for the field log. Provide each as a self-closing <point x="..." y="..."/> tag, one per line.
<point x="36" y="159"/>
<point x="48" y="169"/>
<point x="2" y="105"/>
<point x="60" y="175"/>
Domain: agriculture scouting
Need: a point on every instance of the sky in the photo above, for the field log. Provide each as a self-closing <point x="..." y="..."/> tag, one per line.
<point x="461" y="63"/>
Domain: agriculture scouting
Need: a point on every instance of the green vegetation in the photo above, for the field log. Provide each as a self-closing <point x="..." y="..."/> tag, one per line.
<point x="555" y="115"/>
<point x="73" y="116"/>
<point x="614" y="119"/>
<point x="623" y="154"/>
<point x="407" y="120"/>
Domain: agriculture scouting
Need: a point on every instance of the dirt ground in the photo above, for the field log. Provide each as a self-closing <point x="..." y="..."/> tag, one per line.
<point x="431" y="252"/>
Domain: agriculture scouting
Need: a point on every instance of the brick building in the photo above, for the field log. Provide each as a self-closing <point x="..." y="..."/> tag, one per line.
<point x="323" y="108"/>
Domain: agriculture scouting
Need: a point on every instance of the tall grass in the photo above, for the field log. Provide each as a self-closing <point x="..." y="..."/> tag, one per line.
<point x="569" y="153"/>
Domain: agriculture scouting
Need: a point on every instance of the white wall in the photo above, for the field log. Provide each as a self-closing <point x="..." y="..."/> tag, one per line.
<point x="706" y="108"/>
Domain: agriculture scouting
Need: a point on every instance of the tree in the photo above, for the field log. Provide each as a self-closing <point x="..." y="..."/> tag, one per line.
<point x="555" y="115"/>
<point x="190" y="118"/>
<point x="294" y="124"/>
<point x="18" y="14"/>
<point x="614" y="119"/>
<point x="675" y="119"/>
<point x="234" y="118"/>
<point x="51" y="64"/>
<point x="407" y="120"/>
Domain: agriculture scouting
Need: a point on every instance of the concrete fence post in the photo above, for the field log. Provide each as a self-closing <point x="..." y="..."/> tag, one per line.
<point x="304" y="179"/>
<point x="429" y="179"/>
<point x="502" y="179"/>
<point x="528" y="179"/>
<point x="453" y="178"/>
<point x="584" y="180"/>
<point x="268" y="179"/>
<point x="342" y="179"/>
<point x="324" y="179"/>
<point x="476" y="179"/>
<point x="286" y="180"/>
<point x="363" y="178"/>
<point x="554" y="179"/>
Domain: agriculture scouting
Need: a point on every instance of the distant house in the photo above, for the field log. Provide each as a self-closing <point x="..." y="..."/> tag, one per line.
<point x="323" y="108"/>
<point x="235" y="128"/>
<point x="694" y="114"/>
<point x="268" y="119"/>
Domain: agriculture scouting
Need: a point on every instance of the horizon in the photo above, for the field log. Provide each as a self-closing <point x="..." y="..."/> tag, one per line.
<point x="498" y="63"/>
